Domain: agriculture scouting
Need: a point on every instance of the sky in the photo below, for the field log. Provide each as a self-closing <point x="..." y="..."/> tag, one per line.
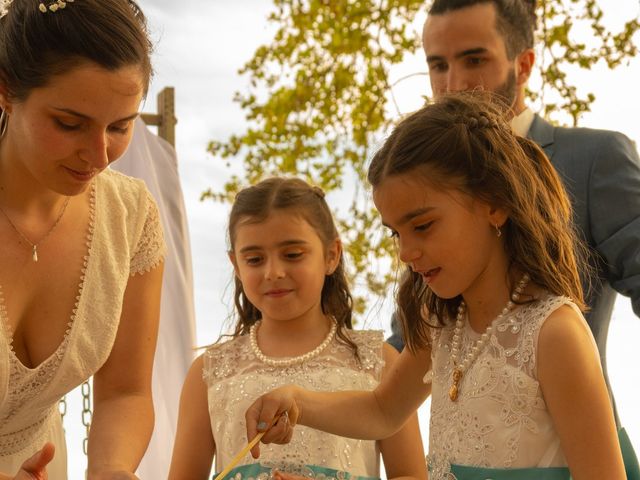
<point x="200" y="45"/>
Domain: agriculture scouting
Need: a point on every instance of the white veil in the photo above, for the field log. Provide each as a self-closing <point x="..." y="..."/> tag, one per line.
<point x="154" y="160"/>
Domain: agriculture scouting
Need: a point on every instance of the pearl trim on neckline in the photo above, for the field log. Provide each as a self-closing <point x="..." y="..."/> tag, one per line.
<point x="289" y="361"/>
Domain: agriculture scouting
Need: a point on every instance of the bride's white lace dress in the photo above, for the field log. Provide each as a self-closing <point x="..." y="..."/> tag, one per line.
<point x="124" y="238"/>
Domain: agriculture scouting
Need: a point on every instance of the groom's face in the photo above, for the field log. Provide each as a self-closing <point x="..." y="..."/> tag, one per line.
<point x="465" y="51"/>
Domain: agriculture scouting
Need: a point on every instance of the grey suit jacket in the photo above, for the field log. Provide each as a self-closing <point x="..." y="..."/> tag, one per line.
<point x="601" y="173"/>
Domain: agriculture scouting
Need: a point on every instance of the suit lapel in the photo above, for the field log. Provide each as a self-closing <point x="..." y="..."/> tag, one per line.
<point x="542" y="132"/>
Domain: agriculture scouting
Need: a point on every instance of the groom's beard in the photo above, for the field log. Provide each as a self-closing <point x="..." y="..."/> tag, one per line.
<point x="507" y="91"/>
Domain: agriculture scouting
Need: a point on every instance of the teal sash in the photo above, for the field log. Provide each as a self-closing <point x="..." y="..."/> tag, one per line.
<point x="629" y="456"/>
<point x="463" y="472"/>
<point x="253" y="471"/>
<point x="477" y="473"/>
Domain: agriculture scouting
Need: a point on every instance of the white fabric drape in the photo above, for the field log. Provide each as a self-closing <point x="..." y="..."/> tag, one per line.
<point x="154" y="160"/>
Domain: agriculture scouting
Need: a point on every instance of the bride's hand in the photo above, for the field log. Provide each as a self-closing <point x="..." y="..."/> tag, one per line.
<point x="34" y="468"/>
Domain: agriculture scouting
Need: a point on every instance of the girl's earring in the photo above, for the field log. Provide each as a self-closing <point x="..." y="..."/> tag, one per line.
<point x="498" y="231"/>
<point x="4" y="122"/>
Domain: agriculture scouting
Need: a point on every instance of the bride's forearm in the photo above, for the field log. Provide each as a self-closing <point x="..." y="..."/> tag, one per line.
<point x="120" y="432"/>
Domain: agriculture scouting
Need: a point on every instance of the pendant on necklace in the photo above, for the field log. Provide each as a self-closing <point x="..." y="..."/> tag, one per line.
<point x="34" y="254"/>
<point x="453" y="391"/>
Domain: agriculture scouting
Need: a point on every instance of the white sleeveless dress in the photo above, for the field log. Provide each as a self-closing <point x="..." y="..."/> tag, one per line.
<point x="500" y="419"/>
<point x="124" y="238"/>
<point x="235" y="378"/>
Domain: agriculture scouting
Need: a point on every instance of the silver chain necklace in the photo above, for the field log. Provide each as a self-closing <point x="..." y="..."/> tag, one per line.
<point x="34" y="246"/>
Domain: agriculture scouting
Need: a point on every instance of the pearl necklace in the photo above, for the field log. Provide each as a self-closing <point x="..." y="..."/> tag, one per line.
<point x="287" y="362"/>
<point x="460" y="367"/>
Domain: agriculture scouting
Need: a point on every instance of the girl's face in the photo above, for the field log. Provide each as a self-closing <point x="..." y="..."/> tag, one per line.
<point x="65" y="133"/>
<point x="282" y="264"/>
<point x="444" y="235"/>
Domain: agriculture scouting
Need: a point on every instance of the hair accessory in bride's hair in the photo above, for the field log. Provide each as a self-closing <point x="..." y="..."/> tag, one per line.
<point x="54" y="6"/>
<point x="4" y="7"/>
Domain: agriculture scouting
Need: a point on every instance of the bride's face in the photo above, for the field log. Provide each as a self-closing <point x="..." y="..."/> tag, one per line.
<point x="66" y="132"/>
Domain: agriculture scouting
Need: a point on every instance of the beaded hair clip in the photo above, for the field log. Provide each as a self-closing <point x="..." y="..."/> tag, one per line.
<point x="318" y="191"/>
<point x="4" y="7"/>
<point x="477" y="122"/>
<point x="55" y="6"/>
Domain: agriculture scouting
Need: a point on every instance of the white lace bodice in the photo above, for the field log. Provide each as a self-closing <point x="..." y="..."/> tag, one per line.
<point x="500" y="419"/>
<point x="124" y="238"/>
<point x="235" y="378"/>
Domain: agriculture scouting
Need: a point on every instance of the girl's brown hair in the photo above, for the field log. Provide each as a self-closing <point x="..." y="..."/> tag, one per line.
<point x="254" y="204"/>
<point x="463" y="141"/>
<point x="34" y="46"/>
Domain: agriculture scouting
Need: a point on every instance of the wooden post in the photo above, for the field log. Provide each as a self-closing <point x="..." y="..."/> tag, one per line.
<point x="165" y="119"/>
<point x="166" y="109"/>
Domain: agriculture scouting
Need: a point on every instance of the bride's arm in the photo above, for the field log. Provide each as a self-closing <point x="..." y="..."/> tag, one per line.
<point x="123" y="414"/>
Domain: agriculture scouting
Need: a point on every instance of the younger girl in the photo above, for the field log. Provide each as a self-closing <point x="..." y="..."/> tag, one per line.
<point x="490" y="308"/>
<point x="294" y="326"/>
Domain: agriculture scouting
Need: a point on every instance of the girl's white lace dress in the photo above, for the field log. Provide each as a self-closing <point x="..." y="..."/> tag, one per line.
<point x="500" y="419"/>
<point x="124" y="238"/>
<point x="236" y="377"/>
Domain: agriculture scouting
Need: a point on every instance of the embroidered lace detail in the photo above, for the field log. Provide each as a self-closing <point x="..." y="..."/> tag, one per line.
<point x="13" y="442"/>
<point x="500" y="419"/>
<point x="29" y="383"/>
<point x="150" y="250"/>
<point x="235" y="357"/>
<point x="235" y="377"/>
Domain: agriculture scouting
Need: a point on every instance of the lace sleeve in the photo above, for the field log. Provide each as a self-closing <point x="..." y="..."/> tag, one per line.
<point x="150" y="250"/>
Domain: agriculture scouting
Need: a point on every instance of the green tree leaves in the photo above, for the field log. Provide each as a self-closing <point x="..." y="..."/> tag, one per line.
<point x="318" y="97"/>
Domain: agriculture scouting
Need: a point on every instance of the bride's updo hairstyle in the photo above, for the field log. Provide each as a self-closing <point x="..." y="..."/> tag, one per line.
<point x="42" y="39"/>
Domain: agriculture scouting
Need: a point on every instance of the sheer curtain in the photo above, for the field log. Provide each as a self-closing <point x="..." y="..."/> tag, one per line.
<point x="154" y="160"/>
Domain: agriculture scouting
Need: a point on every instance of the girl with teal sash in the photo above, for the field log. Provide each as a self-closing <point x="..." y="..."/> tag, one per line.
<point x="490" y="306"/>
<point x="294" y="327"/>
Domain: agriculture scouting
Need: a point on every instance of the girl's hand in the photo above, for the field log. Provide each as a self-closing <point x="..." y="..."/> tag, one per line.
<point x="261" y="414"/>
<point x="35" y="468"/>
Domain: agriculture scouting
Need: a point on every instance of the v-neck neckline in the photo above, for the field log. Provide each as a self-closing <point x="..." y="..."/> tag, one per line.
<point x="59" y="351"/>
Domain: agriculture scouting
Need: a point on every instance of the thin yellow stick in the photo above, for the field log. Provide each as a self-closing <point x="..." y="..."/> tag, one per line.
<point x="246" y="449"/>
